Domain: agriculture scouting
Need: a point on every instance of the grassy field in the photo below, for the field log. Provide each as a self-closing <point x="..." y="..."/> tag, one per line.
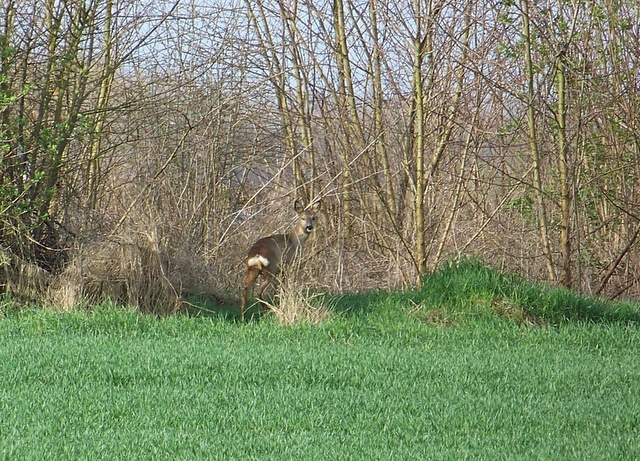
<point x="474" y="365"/>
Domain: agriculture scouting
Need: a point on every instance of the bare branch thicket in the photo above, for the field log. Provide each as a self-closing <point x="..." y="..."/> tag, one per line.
<point x="56" y="68"/>
<point x="424" y="125"/>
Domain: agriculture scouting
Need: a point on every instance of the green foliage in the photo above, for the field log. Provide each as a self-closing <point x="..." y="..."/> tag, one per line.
<point x="523" y="205"/>
<point x="508" y="129"/>
<point x="469" y="284"/>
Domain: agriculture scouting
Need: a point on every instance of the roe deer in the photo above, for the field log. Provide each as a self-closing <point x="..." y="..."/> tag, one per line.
<point x="269" y="254"/>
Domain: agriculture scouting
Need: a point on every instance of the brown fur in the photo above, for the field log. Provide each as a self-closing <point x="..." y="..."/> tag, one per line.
<point x="268" y="254"/>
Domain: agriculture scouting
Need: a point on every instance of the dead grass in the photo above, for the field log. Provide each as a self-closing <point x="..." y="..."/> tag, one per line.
<point x="293" y="304"/>
<point x="436" y="317"/>
<point x="131" y="269"/>
<point x="521" y="316"/>
<point x="500" y="307"/>
<point x="23" y="279"/>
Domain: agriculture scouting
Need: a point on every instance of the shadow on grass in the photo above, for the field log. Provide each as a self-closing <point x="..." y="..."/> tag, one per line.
<point x="362" y="304"/>
<point x="211" y="305"/>
<point x="220" y="306"/>
<point x="228" y="308"/>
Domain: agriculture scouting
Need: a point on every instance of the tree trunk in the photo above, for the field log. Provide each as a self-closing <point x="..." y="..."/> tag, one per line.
<point x="543" y="224"/>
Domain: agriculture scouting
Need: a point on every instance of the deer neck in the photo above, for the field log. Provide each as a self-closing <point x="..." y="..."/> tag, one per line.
<point x="298" y="236"/>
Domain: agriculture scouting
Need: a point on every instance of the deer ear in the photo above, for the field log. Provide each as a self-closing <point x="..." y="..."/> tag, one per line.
<point x="298" y="207"/>
<point x="316" y="206"/>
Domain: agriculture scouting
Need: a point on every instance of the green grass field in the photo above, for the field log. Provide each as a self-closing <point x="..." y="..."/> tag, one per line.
<point x="475" y="365"/>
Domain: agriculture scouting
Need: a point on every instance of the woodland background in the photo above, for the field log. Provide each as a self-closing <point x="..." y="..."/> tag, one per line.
<point x="145" y="144"/>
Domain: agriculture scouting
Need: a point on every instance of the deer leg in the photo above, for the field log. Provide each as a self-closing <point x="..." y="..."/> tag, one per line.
<point x="268" y="279"/>
<point x="249" y="280"/>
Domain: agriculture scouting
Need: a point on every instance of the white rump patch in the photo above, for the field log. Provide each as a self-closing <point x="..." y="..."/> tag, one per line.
<point x="258" y="261"/>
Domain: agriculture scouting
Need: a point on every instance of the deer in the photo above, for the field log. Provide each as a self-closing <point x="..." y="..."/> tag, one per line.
<point x="270" y="254"/>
